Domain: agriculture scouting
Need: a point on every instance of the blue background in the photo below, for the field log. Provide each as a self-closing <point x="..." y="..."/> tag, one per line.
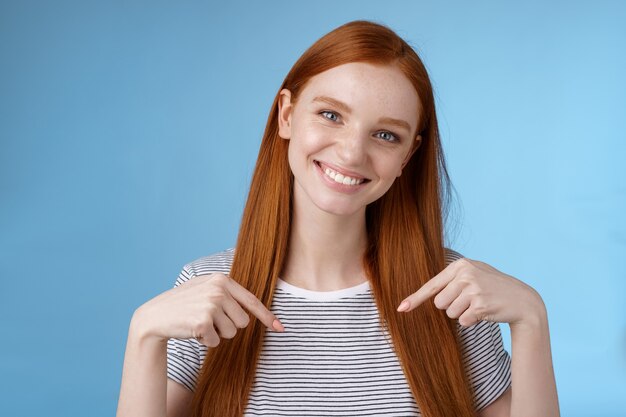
<point x="129" y="131"/>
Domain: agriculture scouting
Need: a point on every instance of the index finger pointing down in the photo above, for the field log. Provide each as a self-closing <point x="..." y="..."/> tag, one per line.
<point x="254" y="305"/>
<point x="431" y="288"/>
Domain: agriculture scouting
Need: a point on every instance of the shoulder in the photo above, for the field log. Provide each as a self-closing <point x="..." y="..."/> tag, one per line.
<point x="451" y="255"/>
<point x="215" y="262"/>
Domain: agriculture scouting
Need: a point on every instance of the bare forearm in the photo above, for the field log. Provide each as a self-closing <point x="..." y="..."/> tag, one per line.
<point x="533" y="384"/>
<point x="143" y="389"/>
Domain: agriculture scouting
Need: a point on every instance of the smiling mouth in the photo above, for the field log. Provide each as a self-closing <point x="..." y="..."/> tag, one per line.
<point x="340" y="178"/>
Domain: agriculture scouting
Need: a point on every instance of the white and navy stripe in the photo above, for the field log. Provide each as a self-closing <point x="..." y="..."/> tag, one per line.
<point x="333" y="359"/>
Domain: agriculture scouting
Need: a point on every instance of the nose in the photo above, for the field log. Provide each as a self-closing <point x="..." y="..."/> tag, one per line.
<point x="352" y="148"/>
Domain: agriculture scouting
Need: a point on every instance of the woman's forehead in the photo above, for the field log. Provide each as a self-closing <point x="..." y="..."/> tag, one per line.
<point x="365" y="88"/>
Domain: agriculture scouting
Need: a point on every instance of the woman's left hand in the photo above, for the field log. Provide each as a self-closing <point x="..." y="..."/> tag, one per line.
<point x="472" y="291"/>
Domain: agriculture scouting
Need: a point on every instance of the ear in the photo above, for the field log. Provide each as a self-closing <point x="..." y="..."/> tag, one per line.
<point x="418" y="139"/>
<point x="284" y="114"/>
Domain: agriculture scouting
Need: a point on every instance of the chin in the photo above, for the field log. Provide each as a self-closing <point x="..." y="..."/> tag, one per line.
<point x="339" y="209"/>
<point x="341" y="213"/>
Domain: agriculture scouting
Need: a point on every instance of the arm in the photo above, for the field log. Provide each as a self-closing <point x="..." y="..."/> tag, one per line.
<point x="533" y="382"/>
<point x="199" y="308"/>
<point x="178" y="399"/>
<point x="533" y="388"/>
<point x="144" y="377"/>
<point x="145" y="390"/>
<point x="473" y="291"/>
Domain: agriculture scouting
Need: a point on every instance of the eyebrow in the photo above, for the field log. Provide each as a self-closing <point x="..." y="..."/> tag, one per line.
<point x="345" y="108"/>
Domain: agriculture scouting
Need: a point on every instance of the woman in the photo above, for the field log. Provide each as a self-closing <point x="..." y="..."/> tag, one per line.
<point x="358" y="308"/>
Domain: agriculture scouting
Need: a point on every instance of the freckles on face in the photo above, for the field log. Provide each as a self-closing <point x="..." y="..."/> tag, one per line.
<point x="363" y="96"/>
<point x="359" y="118"/>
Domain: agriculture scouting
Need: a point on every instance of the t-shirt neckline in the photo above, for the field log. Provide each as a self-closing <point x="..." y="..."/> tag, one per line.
<point x="323" y="295"/>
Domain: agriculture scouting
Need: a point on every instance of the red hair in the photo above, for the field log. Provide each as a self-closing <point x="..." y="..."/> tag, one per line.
<point x="405" y="230"/>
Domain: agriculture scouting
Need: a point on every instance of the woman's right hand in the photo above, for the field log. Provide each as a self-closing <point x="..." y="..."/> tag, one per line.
<point x="205" y="307"/>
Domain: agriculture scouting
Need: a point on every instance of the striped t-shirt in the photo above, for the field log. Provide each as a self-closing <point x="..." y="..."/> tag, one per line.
<point x="333" y="358"/>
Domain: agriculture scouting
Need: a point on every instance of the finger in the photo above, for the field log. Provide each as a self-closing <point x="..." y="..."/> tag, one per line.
<point x="224" y="326"/>
<point x="459" y="306"/>
<point x="254" y="306"/>
<point x="236" y="314"/>
<point x="431" y="288"/>
<point x="447" y="295"/>
<point x="468" y="318"/>
<point x="209" y="337"/>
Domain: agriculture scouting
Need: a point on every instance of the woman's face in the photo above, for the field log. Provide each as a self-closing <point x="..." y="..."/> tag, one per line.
<point x="351" y="131"/>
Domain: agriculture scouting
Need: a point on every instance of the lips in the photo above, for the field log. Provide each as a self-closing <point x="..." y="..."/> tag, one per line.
<point x="334" y="170"/>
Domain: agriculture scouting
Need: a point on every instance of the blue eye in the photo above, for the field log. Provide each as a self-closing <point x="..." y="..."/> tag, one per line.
<point x="392" y="137"/>
<point x="329" y="112"/>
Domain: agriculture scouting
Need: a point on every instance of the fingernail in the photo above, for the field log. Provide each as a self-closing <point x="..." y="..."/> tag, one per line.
<point x="404" y="306"/>
<point x="278" y="326"/>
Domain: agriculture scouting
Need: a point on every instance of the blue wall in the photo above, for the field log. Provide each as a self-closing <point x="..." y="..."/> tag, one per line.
<point x="129" y="130"/>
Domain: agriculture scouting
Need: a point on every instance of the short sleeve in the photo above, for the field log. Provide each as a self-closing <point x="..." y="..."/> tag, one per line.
<point x="487" y="363"/>
<point x="451" y="256"/>
<point x="183" y="355"/>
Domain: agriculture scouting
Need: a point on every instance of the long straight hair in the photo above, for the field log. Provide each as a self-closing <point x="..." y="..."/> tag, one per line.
<point x="405" y="229"/>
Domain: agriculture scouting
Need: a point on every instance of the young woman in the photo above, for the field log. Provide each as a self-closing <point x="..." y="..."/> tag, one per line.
<point x="357" y="307"/>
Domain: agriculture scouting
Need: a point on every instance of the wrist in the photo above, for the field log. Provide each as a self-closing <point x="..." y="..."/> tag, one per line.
<point x="535" y="317"/>
<point x="141" y="329"/>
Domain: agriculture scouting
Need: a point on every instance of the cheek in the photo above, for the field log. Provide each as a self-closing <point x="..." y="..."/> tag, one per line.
<point x="310" y="139"/>
<point x="389" y="166"/>
<point x="299" y="151"/>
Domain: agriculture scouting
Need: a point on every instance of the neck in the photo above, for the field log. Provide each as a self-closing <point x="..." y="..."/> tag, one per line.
<point x="325" y="250"/>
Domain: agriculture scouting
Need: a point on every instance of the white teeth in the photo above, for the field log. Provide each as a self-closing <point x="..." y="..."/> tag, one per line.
<point x="341" y="179"/>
